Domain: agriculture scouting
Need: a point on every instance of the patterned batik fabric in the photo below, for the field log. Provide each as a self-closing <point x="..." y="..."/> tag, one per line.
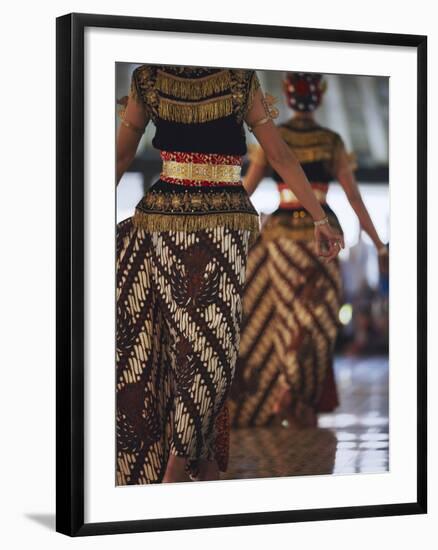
<point x="290" y="322"/>
<point x="178" y="329"/>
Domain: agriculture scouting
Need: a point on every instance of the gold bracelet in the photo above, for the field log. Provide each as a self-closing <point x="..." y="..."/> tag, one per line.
<point x="132" y="126"/>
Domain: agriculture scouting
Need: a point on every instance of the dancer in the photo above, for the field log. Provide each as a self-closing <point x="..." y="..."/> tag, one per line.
<point x="181" y="264"/>
<point x="292" y="298"/>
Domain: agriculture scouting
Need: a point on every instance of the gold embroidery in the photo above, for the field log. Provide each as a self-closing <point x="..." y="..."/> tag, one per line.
<point x="254" y="85"/>
<point x="168" y="222"/>
<point x="143" y="89"/>
<point x="307" y="146"/>
<point x="314" y="154"/>
<point x="244" y="85"/>
<point x="311" y="138"/>
<point x="195" y="112"/>
<point x="196" y="202"/>
<point x="193" y="88"/>
<point x="313" y="146"/>
<point x="134" y="93"/>
<point x="148" y="82"/>
<point x="201" y="172"/>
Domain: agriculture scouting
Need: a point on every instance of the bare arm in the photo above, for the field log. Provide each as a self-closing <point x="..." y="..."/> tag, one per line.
<point x="129" y="134"/>
<point x="285" y="163"/>
<point x="346" y="178"/>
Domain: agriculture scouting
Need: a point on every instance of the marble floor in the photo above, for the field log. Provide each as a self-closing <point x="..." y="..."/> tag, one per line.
<point x="354" y="438"/>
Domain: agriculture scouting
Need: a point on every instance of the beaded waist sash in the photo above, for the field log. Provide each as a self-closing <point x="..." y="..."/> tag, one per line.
<point x="288" y="199"/>
<point x="200" y="169"/>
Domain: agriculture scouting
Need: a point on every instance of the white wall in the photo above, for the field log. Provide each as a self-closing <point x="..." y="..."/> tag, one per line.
<point x="28" y="273"/>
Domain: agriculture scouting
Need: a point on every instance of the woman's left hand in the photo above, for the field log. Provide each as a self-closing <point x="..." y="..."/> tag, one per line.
<point x="329" y="242"/>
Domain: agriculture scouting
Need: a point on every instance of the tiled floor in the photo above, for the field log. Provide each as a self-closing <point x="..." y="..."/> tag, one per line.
<point x="355" y="438"/>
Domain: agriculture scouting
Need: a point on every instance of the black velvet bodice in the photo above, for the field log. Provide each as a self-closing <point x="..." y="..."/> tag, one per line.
<point x="223" y="136"/>
<point x="196" y="109"/>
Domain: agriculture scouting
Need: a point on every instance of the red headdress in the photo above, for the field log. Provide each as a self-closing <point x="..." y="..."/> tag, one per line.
<point x="304" y="90"/>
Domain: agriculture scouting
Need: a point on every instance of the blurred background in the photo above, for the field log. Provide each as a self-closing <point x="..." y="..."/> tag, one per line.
<point x="354" y="438"/>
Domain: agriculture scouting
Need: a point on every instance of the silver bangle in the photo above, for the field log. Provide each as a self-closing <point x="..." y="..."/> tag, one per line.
<point x="321" y="222"/>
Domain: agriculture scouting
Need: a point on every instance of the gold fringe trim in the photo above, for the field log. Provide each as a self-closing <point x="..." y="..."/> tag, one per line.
<point x="163" y="222"/>
<point x="303" y="154"/>
<point x="201" y="111"/>
<point x="315" y="138"/>
<point x="193" y="88"/>
<point x="313" y="154"/>
<point x="133" y="91"/>
<point x="254" y="85"/>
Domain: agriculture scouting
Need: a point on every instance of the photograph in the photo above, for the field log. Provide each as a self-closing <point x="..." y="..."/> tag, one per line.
<point x="252" y="294"/>
<point x="235" y="343"/>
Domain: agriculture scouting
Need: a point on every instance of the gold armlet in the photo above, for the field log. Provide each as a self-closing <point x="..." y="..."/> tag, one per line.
<point x="263" y="120"/>
<point x="131" y="126"/>
<point x="272" y="112"/>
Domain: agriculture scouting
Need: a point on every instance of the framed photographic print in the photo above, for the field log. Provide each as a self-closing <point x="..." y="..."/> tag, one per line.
<point x="241" y="274"/>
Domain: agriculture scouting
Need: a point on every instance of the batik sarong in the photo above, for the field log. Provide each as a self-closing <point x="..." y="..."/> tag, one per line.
<point x="178" y="329"/>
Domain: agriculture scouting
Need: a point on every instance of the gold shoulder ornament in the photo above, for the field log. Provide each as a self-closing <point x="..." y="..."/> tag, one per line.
<point x="271" y="111"/>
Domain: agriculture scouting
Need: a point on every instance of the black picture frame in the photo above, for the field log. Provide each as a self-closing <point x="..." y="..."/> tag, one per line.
<point x="70" y="273"/>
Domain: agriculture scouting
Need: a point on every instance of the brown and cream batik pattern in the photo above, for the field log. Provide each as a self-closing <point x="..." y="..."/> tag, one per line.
<point x="178" y="329"/>
<point x="290" y="322"/>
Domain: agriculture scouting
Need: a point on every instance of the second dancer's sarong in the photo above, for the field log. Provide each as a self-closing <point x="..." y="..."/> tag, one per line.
<point x="291" y="305"/>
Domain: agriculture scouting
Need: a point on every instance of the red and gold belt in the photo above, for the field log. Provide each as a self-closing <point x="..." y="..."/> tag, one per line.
<point x="288" y="199"/>
<point x="201" y="169"/>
